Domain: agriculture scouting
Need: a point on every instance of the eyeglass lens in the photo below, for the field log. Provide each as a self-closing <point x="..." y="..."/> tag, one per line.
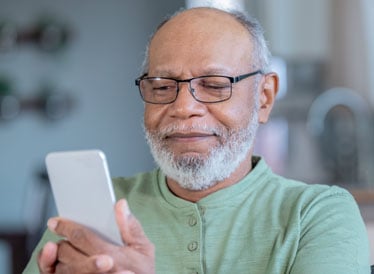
<point x="204" y="89"/>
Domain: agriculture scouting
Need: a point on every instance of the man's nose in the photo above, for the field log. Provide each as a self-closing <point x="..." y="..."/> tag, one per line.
<point x="186" y="106"/>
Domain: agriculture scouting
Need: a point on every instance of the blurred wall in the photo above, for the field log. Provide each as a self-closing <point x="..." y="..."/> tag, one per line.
<point x="97" y="69"/>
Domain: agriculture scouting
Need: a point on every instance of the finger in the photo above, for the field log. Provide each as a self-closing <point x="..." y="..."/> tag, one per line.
<point x="93" y="264"/>
<point x="131" y="230"/>
<point x="68" y="253"/>
<point x="47" y="258"/>
<point x="79" y="236"/>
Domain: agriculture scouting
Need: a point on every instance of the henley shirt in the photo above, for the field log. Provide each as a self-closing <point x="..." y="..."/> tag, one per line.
<point x="262" y="224"/>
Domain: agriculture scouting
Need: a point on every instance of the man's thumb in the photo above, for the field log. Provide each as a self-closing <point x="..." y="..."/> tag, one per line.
<point x="130" y="228"/>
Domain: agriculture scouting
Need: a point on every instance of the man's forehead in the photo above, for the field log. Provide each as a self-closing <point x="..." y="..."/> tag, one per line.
<point x="202" y="42"/>
<point x="201" y="20"/>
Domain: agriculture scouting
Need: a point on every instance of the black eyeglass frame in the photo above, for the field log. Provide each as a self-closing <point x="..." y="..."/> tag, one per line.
<point x="233" y="80"/>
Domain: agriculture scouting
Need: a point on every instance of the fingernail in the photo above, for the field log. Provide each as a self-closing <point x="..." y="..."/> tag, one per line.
<point x="52" y="224"/>
<point x="104" y="263"/>
<point x="125" y="208"/>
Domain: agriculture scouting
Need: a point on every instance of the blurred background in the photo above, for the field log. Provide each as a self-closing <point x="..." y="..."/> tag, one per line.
<point x="67" y="73"/>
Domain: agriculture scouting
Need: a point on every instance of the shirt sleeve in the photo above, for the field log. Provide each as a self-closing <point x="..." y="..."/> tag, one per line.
<point x="333" y="237"/>
<point x="32" y="266"/>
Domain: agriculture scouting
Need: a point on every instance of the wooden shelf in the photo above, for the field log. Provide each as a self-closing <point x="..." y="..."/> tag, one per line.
<point x="363" y="196"/>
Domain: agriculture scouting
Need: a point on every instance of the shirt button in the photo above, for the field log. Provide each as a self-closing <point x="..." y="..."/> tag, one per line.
<point x="192" y="221"/>
<point x="192" y="246"/>
<point x="202" y="210"/>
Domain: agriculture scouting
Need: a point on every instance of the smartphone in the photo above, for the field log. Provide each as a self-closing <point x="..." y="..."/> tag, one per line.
<point x="83" y="191"/>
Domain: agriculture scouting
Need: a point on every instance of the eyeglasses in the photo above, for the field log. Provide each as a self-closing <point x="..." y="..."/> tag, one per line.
<point x="205" y="89"/>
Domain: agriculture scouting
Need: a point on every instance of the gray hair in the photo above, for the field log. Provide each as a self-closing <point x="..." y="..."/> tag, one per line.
<point x="260" y="55"/>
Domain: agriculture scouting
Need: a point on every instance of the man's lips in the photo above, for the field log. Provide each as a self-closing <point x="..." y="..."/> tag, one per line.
<point x="189" y="136"/>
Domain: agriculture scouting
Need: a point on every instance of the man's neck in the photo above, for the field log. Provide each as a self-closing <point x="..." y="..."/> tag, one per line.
<point x="195" y="195"/>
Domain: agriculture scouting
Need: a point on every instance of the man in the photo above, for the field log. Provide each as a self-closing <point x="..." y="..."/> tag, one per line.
<point x="212" y="207"/>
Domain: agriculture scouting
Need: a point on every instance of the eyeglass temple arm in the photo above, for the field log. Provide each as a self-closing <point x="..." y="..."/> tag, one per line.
<point x="241" y="77"/>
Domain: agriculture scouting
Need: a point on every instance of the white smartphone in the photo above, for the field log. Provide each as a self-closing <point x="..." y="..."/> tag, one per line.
<point x="82" y="189"/>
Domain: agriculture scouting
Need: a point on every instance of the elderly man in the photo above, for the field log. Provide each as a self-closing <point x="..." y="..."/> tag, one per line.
<point x="211" y="207"/>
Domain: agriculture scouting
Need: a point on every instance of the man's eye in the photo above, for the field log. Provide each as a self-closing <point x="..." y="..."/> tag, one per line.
<point x="215" y="85"/>
<point x="162" y="87"/>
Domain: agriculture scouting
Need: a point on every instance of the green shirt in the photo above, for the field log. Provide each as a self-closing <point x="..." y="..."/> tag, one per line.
<point x="263" y="224"/>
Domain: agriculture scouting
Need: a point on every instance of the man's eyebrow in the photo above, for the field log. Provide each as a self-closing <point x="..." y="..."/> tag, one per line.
<point x="164" y="73"/>
<point x="215" y="71"/>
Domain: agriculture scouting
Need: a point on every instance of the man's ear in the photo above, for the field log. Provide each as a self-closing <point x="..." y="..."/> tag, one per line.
<point x="268" y="91"/>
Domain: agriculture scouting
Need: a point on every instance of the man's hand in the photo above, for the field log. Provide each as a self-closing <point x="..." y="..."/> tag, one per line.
<point x="84" y="251"/>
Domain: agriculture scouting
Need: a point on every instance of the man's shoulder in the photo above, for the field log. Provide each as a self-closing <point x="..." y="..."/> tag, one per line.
<point x="296" y="191"/>
<point x="281" y="184"/>
<point x="319" y="189"/>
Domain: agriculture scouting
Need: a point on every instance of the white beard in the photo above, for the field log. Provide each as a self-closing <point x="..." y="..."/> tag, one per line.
<point x="204" y="171"/>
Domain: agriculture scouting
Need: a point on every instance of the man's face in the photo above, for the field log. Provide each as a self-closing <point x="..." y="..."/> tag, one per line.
<point x="190" y="133"/>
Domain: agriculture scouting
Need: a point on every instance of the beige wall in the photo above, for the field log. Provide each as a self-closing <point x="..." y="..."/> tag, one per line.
<point x="296" y="29"/>
<point x="348" y="57"/>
